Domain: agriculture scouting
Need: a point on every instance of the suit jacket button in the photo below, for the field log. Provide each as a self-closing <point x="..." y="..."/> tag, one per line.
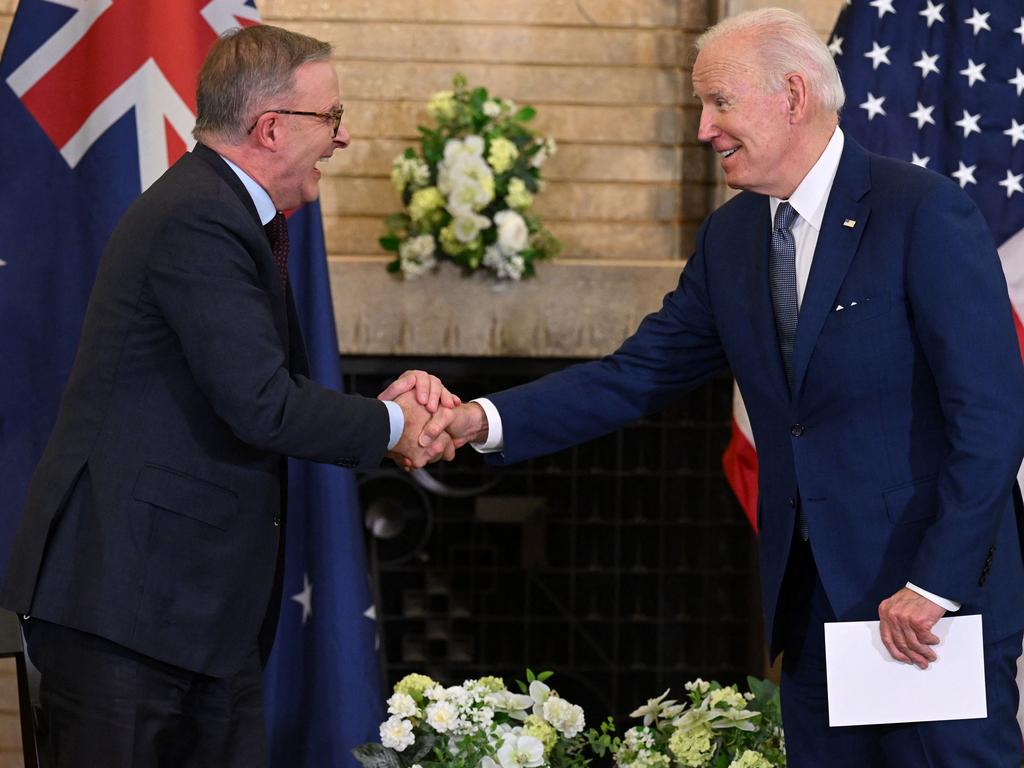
<point x="791" y="501"/>
<point x="796" y="430"/>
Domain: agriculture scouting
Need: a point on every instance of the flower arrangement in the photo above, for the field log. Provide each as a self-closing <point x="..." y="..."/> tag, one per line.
<point x="479" y="723"/>
<point x="467" y="195"/>
<point x="718" y="727"/>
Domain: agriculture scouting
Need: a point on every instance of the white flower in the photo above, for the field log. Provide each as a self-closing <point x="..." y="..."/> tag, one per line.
<point x="515" y="704"/>
<point x="521" y="752"/>
<point x="468" y="196"/>
<point x="442" y="716"/>
<point x="406" y="170"/>
<point x="416" y="257"/>
<point x="467" y="227"/>
<point x="658" y="708"/>
<point x="396" y="733"/>
<point x="565" y="717"/>
<point x="492" y="108"/>
<point x="465" y="178"/>
<point x="402" y="704"/>
<point x="469" y="147"/>
<point x="547" y="150"/>
<point x="698" y="685"/>
<point x="511" y="268"/>
<point x="513" y="235"/>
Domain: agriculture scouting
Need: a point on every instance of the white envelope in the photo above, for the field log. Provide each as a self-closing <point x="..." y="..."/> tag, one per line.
<point x="866" y="686"/>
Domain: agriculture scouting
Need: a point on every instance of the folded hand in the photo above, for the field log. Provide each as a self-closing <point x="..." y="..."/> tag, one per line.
<point x="413" y="449"/>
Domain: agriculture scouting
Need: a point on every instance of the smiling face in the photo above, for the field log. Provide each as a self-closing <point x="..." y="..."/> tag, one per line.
<point x="750" y="127"/>
<point x="301" y="140"/>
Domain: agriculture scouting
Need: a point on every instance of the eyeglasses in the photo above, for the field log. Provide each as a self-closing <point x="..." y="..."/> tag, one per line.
<point x="334" y="116"/>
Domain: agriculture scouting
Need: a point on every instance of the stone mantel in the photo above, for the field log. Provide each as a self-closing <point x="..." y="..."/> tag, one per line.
<point x="572" y="308"/>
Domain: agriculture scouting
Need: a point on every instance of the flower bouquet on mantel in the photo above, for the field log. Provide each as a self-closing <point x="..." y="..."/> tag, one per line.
<point x="718" y="727"/>
<point x="479" y="723"/>
<point x="467" y="195"/>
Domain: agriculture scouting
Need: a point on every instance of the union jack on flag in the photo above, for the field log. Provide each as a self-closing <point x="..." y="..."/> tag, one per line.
<point x="98" y="100"/>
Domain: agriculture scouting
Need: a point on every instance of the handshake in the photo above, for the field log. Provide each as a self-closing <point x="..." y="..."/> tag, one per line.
<point x="436" y="421"/>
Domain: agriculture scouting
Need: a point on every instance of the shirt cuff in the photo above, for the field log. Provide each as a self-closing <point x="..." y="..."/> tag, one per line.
<point x="397" y="419"/>
<point x="942" y="602"/>
<point x="495" y="441"/>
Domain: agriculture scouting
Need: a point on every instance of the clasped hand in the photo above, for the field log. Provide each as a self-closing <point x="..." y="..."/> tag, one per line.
<point x="436" y="421"/>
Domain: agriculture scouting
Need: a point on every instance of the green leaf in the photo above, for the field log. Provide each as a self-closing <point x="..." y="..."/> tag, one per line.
<point x="409" y="153"/>
<point x="544" y="675"/>
<point x="459" y="81"/>
<point x="376" y="756"/>
<point x="478" y="98"/>
<point x="525" y="115"/>
<point x="424" y="745"/>
<point x="394" y="266"/>
<point x="389" y="243"/>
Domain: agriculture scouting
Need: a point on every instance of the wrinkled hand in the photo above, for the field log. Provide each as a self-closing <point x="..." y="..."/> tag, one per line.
<point x="413" y="450"/>
<point x="430" y="392"/>
<point x="906" y="625"/>
<point x="467" y="424"/>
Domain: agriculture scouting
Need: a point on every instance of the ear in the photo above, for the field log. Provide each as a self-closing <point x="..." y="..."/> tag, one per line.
<point x="797" y="97"/>
<point x="267" y="130"/>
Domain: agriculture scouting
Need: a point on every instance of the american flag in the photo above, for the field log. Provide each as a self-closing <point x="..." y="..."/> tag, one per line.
<point x="941" y="85"/>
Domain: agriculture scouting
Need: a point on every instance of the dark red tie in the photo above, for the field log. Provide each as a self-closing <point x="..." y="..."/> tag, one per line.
<point x="277" y="232"/>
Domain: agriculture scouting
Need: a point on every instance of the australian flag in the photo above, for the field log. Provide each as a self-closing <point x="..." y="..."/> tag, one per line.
<point x="98" y="100"/>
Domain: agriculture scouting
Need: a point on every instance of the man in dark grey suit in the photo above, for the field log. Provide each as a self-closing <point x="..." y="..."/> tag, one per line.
<point x="147" y="558"/>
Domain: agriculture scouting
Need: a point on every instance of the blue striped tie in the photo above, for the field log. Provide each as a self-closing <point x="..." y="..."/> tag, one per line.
<point x="782" y="274"/>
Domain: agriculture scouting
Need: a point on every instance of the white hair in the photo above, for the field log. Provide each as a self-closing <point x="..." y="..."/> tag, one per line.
<point x="785" y="43"/>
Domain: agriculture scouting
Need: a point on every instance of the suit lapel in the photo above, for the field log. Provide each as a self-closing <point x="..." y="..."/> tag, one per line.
<point x="837" y="245"/>
<point x="266" y="263"/>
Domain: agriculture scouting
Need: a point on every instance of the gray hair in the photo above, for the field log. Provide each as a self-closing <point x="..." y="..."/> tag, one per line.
<point x="246" y="71"/>
<point x="785" y="43"/>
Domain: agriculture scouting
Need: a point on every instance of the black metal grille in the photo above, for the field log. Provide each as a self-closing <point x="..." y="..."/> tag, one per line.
<point x="624" y="565"/>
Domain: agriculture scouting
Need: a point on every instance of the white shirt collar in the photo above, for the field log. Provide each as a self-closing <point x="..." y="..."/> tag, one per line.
<point x="264" y="205"/>
<point x="811" y="195"/>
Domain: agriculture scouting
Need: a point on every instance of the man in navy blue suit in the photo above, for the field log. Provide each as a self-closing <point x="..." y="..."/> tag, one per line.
<point x="860" y="304"/>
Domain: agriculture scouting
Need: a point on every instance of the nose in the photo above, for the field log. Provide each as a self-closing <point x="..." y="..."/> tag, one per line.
<point x="343" y="139"/>
<point x="707" y="129"/>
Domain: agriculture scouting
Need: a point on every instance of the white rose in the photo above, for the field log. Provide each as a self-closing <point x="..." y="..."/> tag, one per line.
<point x="565" y="717"/>
<point x="512" y="238"/>
<point x="402" y="704"/>
<point x="396" y="733"/>
<point x="442" y="716"/>
<point x="521" y="752"/>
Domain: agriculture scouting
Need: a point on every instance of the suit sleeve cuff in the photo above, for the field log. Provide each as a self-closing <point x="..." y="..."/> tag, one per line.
<point x="942" y="602"/>
<point x="397" y="420"/>
<point x="495" y="441"/>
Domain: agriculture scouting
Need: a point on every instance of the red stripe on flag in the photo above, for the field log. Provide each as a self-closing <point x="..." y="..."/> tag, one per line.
<point x="740" y="464"/>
